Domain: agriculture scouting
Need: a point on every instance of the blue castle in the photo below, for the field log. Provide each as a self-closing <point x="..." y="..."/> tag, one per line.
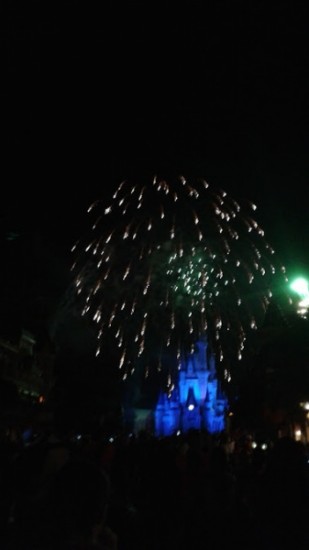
<point x="196" y="401"/>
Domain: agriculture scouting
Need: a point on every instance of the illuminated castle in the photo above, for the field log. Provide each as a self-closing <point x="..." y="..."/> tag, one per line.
<point x="196" y="400"/>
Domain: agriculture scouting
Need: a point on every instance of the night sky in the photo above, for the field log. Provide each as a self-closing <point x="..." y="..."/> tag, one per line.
<point x="93" y="94"/>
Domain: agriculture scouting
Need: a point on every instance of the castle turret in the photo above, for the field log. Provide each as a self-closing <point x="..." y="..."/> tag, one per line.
<point x="197" y="401"/>
<point x="214" y="407"/>
<point x="201" y="354"/>
<point x="167" y="414"/>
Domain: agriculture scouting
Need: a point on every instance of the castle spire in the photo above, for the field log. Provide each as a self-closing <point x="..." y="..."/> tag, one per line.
<point x="190" y="368"/>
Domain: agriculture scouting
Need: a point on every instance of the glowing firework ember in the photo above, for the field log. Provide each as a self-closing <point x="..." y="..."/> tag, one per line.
<point x="179" y="260"/>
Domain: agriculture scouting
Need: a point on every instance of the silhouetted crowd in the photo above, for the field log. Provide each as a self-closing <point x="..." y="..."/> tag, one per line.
<point x="196" y="490"/>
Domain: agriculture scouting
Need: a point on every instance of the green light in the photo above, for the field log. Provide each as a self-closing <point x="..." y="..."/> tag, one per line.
<point x="300" y="286"/>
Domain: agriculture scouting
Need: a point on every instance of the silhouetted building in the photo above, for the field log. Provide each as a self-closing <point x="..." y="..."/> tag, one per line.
<point x="21" y="364"/>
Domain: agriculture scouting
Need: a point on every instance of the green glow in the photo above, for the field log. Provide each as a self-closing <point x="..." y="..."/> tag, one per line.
<point x="300" y="286"/>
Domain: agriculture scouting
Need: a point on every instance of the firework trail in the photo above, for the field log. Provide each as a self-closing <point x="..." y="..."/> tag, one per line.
<point x="178" y="261"/>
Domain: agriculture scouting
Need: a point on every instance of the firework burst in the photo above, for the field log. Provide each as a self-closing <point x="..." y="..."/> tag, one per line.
<point x="169" y="262"/>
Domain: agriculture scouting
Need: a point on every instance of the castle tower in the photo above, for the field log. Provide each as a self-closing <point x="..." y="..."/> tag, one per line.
<point x="167" y="414"/>
<point x="197" y="400"/>
<point x="191" y="417"/>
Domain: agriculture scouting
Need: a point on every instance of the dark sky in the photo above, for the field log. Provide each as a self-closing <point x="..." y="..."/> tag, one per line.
<point x="95" y="92"/>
